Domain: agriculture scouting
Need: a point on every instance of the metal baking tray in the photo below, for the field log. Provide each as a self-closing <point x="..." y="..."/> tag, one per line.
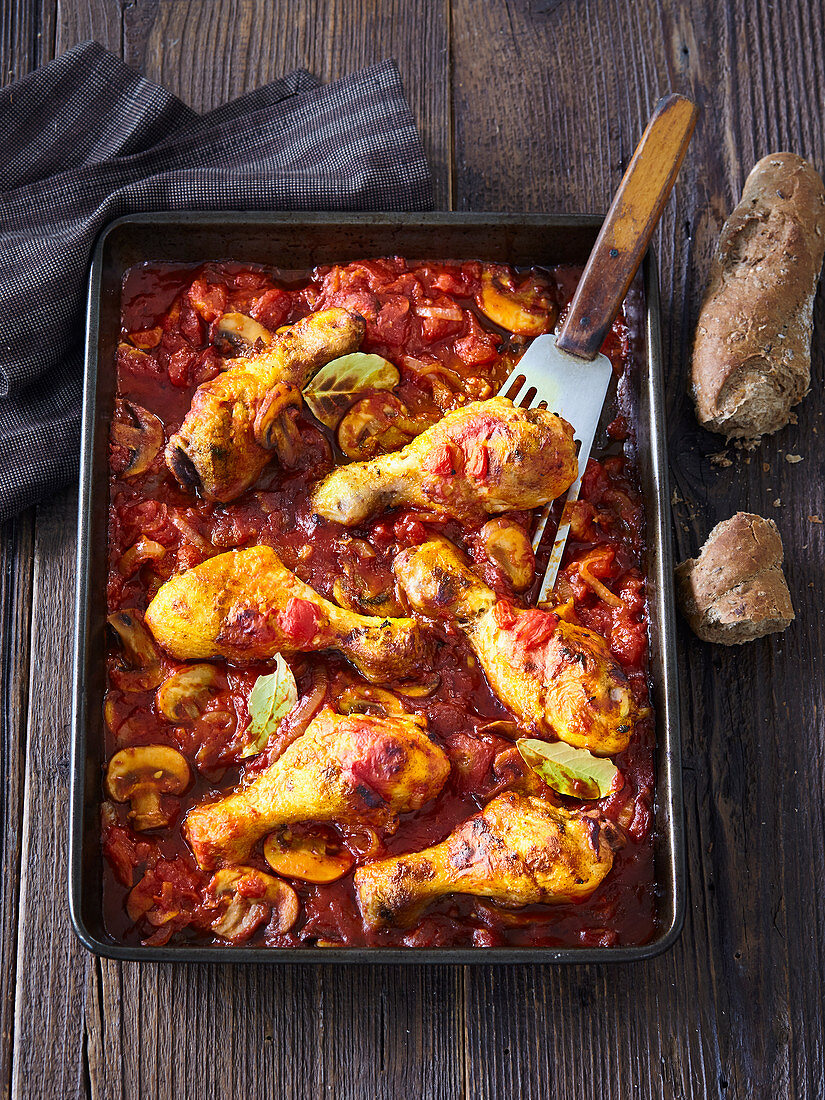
<point x="300" y="241"/>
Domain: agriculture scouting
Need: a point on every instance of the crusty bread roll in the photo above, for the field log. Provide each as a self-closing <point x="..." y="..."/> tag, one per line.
<point x="735" y="590"/>
<point x="752" y="351"/>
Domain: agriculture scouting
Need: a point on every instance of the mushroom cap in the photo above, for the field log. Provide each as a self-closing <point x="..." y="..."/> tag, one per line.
<point x="241" y="334"/>
<point x="158" y="767"/>
<point x="251" y="887"/>
<point x="139" y="432"/>
<point x="312" y="854"/>
<point x="185" y="694"/>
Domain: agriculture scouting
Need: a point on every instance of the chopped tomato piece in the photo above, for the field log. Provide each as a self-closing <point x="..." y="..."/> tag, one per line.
<point x="504" y="614"/>
<point x="392" y="325"/>
<point x="478" y="462"/>
<point x="191" y="326"/>
<point x="272" y="308"/>
<point x="440" y="460"/>
<point x="180" y="364"/>
<point x="535" y="627"/>
<point x="299" y="620"/>
<point x="439" y="318"/>
<point x="209" y="299"/>
<point x="148" y="338"/>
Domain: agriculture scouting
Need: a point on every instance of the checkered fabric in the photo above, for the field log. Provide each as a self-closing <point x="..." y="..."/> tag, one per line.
<point x="85" y="139"/>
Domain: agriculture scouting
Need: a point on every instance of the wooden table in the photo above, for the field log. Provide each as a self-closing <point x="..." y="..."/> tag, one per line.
<point x="524" y="105"/>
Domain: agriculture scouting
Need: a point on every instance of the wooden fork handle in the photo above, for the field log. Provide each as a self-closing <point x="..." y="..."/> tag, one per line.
<point x="628" y="227"/>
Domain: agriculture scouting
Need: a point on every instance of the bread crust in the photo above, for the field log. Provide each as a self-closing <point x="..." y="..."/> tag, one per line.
<point x="735" y="589"/>
<point x="752" y="350"/>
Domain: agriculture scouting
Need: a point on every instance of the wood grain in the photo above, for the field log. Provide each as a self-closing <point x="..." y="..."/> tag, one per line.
<point x="97" y="1028"/>
<point x="751" y="777"/>
<point x="16" y="540"/>
<point x="26" y="40"/>
<point x="533" y="105"/>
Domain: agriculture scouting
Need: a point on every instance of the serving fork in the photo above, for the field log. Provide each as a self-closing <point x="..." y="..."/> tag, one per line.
<point x="565" y="372"/>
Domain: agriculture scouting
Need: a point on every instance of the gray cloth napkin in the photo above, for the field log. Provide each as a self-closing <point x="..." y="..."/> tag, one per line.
<point x="85" y="139"/>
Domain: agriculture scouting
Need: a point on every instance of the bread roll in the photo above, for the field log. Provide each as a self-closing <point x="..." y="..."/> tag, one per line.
<point x="752" y="351"/>
<point x="735" y="590"/>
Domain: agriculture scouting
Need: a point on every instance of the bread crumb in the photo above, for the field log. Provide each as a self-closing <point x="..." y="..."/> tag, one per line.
<point x="721" y="458"/>
<point x="793" y="458"/>
<point x="777" y="503"/>
<point x="766" y="467"/>
<point x="814" y="519"/>
<point x="675" y="498"/>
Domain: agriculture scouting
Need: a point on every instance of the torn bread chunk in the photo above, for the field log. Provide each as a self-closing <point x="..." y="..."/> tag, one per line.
<point x="752" y="350"/>
<point x="735" y="590"/>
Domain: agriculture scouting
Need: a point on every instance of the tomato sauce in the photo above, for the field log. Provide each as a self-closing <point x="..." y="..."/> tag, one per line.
<point x="423" y="317"/>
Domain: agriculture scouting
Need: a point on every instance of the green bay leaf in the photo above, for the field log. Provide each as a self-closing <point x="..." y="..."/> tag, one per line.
<point x="331" y="391"/>
<point x="272" y="697"/>
<point x="568" y="770"/>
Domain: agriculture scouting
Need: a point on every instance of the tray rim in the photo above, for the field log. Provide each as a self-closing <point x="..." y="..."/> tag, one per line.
<point x="669" y="774"/>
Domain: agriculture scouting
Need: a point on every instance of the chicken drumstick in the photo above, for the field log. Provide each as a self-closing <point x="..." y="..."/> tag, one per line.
<point x="520" y="850"/>
<point x="486" y="457"/>
<point x="555" y="676"/>
<point x="238" y="419"/>
<point x="246" y="605"/>
<point x="348" y="768"/>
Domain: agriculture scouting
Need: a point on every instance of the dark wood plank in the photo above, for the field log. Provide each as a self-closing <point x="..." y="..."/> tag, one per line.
<point x="94" y="1027"/>
<point x="26" y="32"/>
<point x="26" y="37"/>
<point x="52" y="968"/>
<point x="16" y="540"/>
<point x="251" y="42"/>
<point x="736" y="1008"/>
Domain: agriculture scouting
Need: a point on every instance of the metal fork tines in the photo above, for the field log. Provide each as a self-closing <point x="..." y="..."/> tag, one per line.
<point x="539" y="391"/>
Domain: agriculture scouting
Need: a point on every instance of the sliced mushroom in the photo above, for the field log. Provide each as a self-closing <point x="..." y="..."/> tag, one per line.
<point x="140" y="775"/>
<point x="140" y="652"/>
<point x="313" y="855"/>
<point x="523" y="307"/>
<point x="508" y="545"/>
<point x="142" y="550"/>
<point x="251" y="896"/>
<point x="139" y="432"/>
<point x="240" y="335"/>
<point x="367" y="595"/>
<point x="501" y="727"/>
<point x="367" y="699"/>
<point x="184" y="694"/>
<point x="377" y="425"/>
<point x="275" y="428"/>
<point x="427" y="683"/>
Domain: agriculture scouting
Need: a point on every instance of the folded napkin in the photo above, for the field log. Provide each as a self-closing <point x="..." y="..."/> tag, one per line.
<point x="85" y="139"/>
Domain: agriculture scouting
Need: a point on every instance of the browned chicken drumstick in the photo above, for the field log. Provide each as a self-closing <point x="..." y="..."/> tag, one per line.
<point x="557" y="678"/>
<point x="245" y="605"/>
<point x="520" y="850"/>
<point x="239" y="419"/>
<point x="347" y="768"/>
<point x="486" y="457"/>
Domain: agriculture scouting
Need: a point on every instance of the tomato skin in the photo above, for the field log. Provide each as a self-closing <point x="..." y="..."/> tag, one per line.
<point x="440" y="460"/>
<point x="299" y="621"/>
<point x="208" y="299"/>
<point x="504" y="614"/>
<point x="477" y="463"/>
<point x="534" y="627"/>
<point x="271" y="309"/>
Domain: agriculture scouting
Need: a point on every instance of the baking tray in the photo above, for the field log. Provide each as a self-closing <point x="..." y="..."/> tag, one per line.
<point x="300" y="241"/>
